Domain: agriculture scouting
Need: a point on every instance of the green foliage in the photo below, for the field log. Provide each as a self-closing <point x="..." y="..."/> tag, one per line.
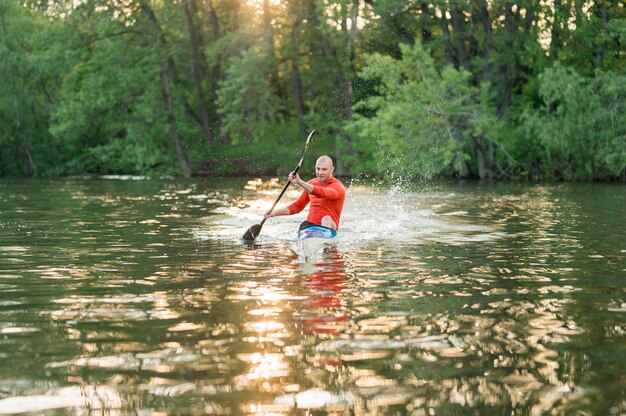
<point x="582" y="124"/>
<point x="425" y="118"/>
<point x="246" y="98"/>
<point x="106" y="103"/>
<point x="23" y="118"/>
<point x="274" y="153"/>
<point x="451" y="88"/>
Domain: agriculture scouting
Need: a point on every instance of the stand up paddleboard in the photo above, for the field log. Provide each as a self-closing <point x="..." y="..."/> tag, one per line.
<point x="313" y="239"/>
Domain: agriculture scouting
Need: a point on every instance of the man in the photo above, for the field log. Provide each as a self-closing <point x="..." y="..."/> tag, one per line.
<point x="325" y="193"/>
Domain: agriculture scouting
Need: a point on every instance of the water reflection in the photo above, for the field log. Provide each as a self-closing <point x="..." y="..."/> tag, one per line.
<point x="497" y="354"/>
<point x="136" y="296"/>
<point x="289" y="318"/>
<point x="323" y="285"/>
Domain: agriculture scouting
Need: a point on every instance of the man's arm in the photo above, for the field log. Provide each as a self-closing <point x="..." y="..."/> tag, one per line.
<point x="295" y="178"/>
<point x="276" y="213"/>
<point x="294" y="208"/>
<point x="334" y="191"/>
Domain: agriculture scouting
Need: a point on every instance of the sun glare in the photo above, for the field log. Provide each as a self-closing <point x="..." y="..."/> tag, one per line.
<point x="258" y="4"/>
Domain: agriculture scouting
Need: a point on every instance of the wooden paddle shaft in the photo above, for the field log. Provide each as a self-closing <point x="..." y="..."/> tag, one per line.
<point x="254" y="231"/>
<point x="281" y="194"/>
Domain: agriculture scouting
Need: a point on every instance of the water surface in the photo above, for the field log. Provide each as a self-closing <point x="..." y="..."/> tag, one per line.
<point x="136" y="296"/>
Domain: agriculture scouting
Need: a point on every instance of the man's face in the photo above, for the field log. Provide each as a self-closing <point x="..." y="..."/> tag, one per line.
<point x="323" y="170"/>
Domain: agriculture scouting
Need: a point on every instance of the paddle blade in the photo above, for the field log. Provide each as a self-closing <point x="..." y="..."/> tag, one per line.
<point x="252" y="232"/>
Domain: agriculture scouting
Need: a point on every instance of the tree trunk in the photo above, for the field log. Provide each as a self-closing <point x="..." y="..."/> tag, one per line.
<point x="196" y="43"/>
<point x="297" y="94"/>
<point x="344" y="68"/>
<point x="555" y="41"/>
<point x="484" y="158"/>
<point x="348" y="69"/>
<point x="215" y="25"/>
<point x="249" y="135"/>
<point x="354" y="17"/>
<point x="458" y="27"/>
<point x="167" y="95"/>
<point x="268" y="29"/>
<point x="486" y="24"/>
<point x="216" y="70"/>
<point x="31" y="163"/>
<point x="449" y="50"/>
<point x="600" y="55"/>
<point x="296" y="80"/>
<point x="171" y="119"/>
<point x="510" y="65"/>
<point x="343" y="82"/>
<point x="464" y="171"/>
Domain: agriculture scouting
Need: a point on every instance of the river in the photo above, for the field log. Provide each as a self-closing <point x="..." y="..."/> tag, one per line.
<point x="129" y="295"/>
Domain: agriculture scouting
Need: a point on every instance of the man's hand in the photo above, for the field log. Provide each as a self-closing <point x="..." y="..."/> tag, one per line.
<point x="267" y="215"/>
<point x="294" y="178"/>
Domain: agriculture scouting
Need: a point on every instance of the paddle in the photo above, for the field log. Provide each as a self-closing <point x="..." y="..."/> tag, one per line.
<point x="254" y="231"/>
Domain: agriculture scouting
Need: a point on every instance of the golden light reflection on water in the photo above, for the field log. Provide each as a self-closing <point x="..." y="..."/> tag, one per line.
<point x="478" y="317"/>
<point x="265" y="366"/>
<point x="439" y="338"/>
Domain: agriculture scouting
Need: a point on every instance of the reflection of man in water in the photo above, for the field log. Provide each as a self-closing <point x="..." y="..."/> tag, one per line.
<point x="322" y="312"/>
<point x="325" y="193"/>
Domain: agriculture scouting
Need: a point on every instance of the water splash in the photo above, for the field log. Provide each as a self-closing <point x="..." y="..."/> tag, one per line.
<point x="371" y="215"/>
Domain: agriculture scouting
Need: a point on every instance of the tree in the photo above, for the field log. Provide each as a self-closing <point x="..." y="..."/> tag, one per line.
<point x="25" y="94"/>
<point x="139" y="86"/>
<point x="196" y="41"/>
<point x="246" y="99"/>
<point x="582" y="124"/>
<point x="427" y="122"/>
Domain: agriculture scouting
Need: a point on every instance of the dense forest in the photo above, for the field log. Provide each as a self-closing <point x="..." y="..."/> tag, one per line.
<point x="532" y="89"/>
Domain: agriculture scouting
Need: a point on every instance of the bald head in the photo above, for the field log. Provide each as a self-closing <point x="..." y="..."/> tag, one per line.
<point x="325" y="160"/>
<point x="324" y="168"/>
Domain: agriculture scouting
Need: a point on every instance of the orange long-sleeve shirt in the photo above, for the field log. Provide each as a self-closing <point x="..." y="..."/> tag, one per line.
<point x="326" y="199"/>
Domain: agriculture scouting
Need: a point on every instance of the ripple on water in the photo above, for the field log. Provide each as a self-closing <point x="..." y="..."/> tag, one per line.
<point x="137" y="295"/>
